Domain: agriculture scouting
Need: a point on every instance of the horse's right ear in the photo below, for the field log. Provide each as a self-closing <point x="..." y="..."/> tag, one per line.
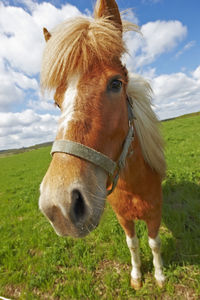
<point x="47" y="35"/>
<point x="108" y="8"/>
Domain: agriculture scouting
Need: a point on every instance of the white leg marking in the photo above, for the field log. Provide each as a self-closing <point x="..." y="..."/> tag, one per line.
<point x="155" y="245"/>
<point x="133" y="245"/>
<point x="68" y="104"/>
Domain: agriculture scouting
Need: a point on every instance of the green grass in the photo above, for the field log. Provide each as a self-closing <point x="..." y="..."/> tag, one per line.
<point x="37" y="264"/>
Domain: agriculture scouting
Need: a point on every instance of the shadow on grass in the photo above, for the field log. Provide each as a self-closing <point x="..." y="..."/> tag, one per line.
<point x="181" y="215"/>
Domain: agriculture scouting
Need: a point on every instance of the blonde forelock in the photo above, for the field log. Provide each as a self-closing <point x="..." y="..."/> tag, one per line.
<point x="76" y="45"/>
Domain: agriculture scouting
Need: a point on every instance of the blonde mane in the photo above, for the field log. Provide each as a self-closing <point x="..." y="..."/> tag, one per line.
<point x="79" y="43"/>
<point x="146" y="123"/>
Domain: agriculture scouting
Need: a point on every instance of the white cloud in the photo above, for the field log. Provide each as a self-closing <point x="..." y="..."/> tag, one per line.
<point x="13" y="86"/>
<point x="21" y="32"/>
<point x="162" y="36"/>
<point x="47" y="15"/>
<point x="196" y="73"/>
<point x="176" y="94"/>
<point x="157" y="38"/>
<point x="9" y="92"/>
<point x="26" y="128"/>
<point x="23" y="81"/>
<point x="41" y="104"/>
<point x="20" y="39"/>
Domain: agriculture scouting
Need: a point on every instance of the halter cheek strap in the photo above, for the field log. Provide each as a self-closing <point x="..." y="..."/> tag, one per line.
<point x="99" y="159"/>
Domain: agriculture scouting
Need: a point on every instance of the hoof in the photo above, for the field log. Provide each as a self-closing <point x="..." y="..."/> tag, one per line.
<point x="136" y="284"/>
<point x="160" y="280"/>
<point x="160" y="283"/>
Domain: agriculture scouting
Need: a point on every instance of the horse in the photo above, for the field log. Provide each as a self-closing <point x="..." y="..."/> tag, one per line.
<point x="108" y="143"/>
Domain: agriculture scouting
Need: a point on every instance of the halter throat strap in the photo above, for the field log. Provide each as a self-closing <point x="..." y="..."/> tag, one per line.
<point x="97" y="158"/>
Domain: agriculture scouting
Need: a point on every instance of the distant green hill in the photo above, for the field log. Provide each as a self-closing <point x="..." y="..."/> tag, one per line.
<point x="24" y="149"/>
<point x="184" y="116"/>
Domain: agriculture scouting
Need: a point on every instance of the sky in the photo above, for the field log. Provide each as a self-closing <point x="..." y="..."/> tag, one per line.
<point x="167" y="54"/>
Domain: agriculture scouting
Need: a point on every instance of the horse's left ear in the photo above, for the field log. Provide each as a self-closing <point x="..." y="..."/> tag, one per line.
<point x="108" y="8"/>
<point x="47" y="35"/>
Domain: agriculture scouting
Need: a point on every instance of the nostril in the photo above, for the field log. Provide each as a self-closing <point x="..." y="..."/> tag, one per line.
<point x="78" y="208"/>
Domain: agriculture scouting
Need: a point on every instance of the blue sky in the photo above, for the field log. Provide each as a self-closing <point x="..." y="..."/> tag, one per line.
<point x="168" y="55"/>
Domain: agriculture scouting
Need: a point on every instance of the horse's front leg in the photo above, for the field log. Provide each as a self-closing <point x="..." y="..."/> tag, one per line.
<point x="133" y="245"/>
<point x="155" y="245"/>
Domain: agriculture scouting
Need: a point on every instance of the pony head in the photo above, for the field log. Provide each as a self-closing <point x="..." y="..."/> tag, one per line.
<point x="81" y="63"/>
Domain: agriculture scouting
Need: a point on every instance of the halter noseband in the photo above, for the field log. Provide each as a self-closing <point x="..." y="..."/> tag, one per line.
<point x="97" y="158"/>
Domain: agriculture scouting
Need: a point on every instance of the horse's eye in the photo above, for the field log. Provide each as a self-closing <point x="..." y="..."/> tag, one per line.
<point x="56" y="104"/>
<point x="115" y="86"/>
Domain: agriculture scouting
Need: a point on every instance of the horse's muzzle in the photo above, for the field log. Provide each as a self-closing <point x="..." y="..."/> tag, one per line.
<point x="75" y="217"/>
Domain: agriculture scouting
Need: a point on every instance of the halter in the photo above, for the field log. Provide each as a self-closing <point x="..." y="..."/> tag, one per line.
<point x="97" y="158"/>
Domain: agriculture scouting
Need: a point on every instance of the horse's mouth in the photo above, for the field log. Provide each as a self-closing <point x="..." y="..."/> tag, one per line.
<point x="67" y="225"/>
<point x="79" y="231"/>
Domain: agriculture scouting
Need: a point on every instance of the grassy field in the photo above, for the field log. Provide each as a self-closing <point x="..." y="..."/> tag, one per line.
<point x="37" y="264"/>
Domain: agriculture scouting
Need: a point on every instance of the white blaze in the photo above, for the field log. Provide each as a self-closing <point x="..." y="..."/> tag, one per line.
<point x="68" y="104"/>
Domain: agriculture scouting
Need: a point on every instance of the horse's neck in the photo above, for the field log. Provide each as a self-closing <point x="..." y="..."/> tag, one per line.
<point x="137" y="175"/>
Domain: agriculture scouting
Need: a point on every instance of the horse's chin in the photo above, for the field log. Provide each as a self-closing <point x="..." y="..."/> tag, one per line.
<point x="66" y="228"/>
<point x="83" y="232"/>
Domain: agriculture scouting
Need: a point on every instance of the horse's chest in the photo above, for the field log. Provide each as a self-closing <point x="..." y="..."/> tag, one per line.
<point x="131" y="207"/>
